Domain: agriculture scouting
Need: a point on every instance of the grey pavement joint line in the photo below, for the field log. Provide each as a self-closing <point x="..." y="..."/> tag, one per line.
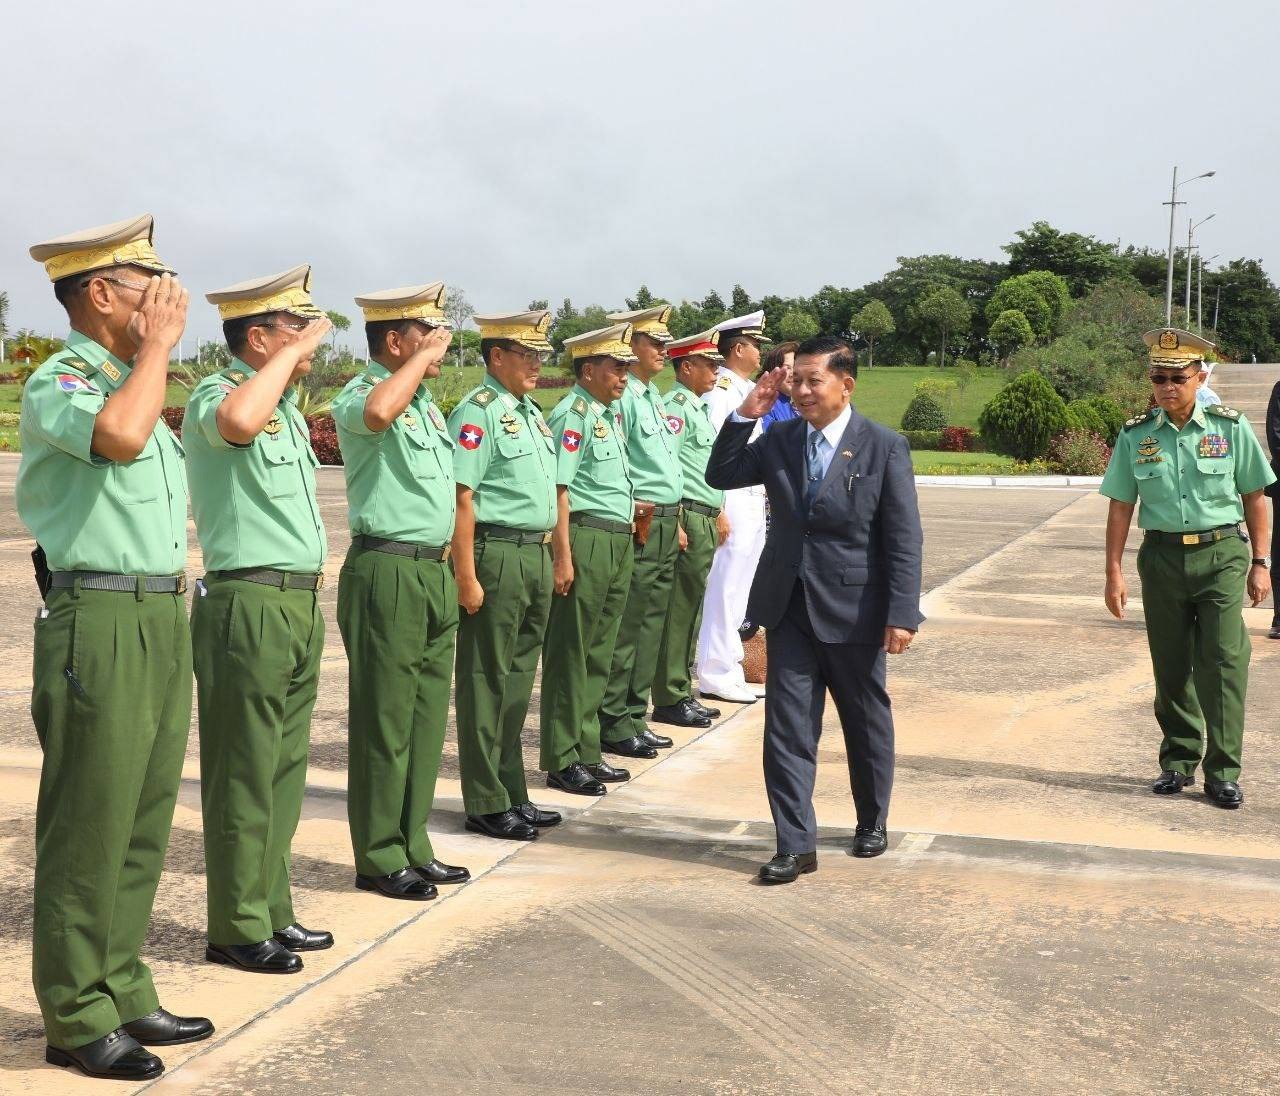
<point x="398" y="928"/>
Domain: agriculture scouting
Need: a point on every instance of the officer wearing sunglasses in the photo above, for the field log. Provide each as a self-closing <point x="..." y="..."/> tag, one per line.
<point x="1195" y="473"/>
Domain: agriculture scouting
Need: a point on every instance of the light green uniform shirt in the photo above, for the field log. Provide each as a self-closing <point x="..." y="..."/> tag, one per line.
<point x="89" y="513"/>
<point x="591" y="459"/>
<point x="504" y="452"/>
<point x="1187" y="480"/>
<point x="690" y="422"/>
<point x="399" y="480"/>
<point x="254" y="505"/>
<point x="651" y="447"/>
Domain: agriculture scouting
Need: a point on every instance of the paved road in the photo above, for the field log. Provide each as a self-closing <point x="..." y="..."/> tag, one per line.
<point x="1041" y="924"/>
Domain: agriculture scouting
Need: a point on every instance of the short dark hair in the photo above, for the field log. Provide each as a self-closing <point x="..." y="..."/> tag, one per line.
<point x="487" y="346"/>
<point x="70" y="290"/>
<point x="727" y="341"/>
<point x="837" y="351"/>
<point x="376" y="332"/>
<point x="775" y="356"/>
<point x="236" y="331"/>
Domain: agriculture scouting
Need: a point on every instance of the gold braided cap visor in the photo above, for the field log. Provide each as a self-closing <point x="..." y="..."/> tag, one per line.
<point x="138" y="253"/>
<point x="428" y="313"/>
<point x="532" y="337"/>
<point x="296" y="301"/>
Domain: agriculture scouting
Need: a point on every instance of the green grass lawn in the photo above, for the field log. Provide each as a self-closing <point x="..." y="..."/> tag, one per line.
<point x="883" y="393"/>
<point x="928" y="463"/>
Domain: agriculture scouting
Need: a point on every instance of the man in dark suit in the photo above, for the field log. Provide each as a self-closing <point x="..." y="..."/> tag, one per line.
<point x="837" y="588"/>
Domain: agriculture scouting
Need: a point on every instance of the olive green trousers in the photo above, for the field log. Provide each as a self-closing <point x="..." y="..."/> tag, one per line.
<point x="672" y="680"/>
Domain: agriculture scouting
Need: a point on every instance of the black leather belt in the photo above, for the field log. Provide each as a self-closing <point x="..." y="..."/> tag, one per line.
<point x="265" y="576"/>
<point x="1209" y="536"/>
<point x="701" y="508"/>
<point x="121" y="584"/>
<point x="667" y="510"/>
<point x="516" y="536"/>
<point x="402" y="548"/>
<point x="609" y="526"/>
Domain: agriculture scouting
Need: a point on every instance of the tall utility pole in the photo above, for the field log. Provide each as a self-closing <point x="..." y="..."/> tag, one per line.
<point x="1200" y="291"/>
<point x="1173" y="204"/>
<point x="1191" y="227"/>
<point x="1217" y="300"/>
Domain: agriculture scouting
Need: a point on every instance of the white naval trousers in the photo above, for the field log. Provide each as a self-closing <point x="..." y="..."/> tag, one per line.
<point x="732" y="569"/>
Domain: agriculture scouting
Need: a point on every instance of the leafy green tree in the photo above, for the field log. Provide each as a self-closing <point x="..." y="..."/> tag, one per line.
<point x="539" y="304"/>
<point x="944" y="312"/>
<point x="1010" y="332"/>
<point x="1053" y="289"/>
<point x="4" y="318"/>
<point x="569" y="321"/>
<point x="833" y="308"/>
<point x="1023" y="416"/>
<point x="740" y="302"/>
<point x="1018" y="295"/>
<point x="873" y="321"/>
<point x="642" y="299"/>
<point x="1249" y="319"/>
<point x="797" y="325"/>
<point x="1083" y="261"/>
<point x="340" y="323"/>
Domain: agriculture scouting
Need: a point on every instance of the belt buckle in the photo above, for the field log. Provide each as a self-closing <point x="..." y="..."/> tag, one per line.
<point x="319" y="582"/>
<point x="448" y="550"/>
<point x="182" y="584"/>
<point x="1190" y="538"/>
<point x="546" y="538"/>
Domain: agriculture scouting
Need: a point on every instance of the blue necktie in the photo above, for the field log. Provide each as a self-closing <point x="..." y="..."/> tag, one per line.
<point x="814" y="469"/>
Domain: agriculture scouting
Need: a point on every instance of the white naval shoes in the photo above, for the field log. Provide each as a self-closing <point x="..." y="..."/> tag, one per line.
<point x="734" y="694"/>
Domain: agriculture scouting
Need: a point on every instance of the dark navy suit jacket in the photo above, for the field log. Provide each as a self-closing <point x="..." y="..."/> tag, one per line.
<point x="858" y="553"/>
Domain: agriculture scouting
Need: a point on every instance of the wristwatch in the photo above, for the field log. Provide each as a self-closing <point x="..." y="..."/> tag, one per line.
<point x="1262" y="561"/>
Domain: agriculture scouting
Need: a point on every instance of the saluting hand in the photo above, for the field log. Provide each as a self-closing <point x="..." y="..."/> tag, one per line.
<point x="162" y="316"/>
<point x="309" y="340"/>
<point x="433" y="349"/>
<point x="764" y="395"/>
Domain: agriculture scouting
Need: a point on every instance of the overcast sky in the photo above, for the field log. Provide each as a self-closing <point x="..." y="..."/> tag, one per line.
<point x="556" y="148"/>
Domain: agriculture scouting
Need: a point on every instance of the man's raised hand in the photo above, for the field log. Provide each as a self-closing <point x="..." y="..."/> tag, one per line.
<point x="162" y="316"/>
<point x="764" y="395"/>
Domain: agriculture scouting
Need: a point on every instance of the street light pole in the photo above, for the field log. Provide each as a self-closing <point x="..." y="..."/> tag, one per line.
<point x="1200" y="291"/>
<point x="1217" y="300"/>
<point x="1191" y="227"/>
<point x="1173" y="204"/>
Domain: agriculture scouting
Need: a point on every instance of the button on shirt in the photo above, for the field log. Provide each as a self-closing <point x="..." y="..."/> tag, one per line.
<point x="1187" y="480"/>
<point x="254" y="505"/>
<point x="87" y="512"/>
<point x="399" y="480"/>
<point x="591" y="457"/>
<point x="690" y="422"/>
<point x="504" y="452"/>
<point x="655" y="467"/>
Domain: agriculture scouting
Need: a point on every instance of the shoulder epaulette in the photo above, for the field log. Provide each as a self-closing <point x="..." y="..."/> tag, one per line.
<point x="578" y="407"/>
<point x="1138" y="420"/>
<point x="724" y="382"/>
<point x="483" y="397"/>
<point x="1222" y="411"/>
<point x="235" y="376"/>
<point x="679" y="397"/>
<point x="77" y="363"/>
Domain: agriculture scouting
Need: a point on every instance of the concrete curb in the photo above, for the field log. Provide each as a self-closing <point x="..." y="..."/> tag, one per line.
<point x="1008" y="481"/>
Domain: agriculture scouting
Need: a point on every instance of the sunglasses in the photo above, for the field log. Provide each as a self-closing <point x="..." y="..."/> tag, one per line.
<point x="1159" y="379"/>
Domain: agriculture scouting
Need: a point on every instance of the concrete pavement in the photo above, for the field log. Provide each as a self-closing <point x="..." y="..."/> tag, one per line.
<point x="1042" y="923"/>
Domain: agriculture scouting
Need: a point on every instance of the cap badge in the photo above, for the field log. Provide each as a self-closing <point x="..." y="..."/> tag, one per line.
<point x="1168" y="340"/>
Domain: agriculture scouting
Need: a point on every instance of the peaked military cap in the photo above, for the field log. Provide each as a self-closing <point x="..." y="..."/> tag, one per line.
<point x="527" y="328"/>
<point x="285" y="292"/>
<point x="607" y="342"/>
<point x="647" y="321"/>
<point x="121" y="243"/>
<point x="409" y="302"/>
<point x="1171" y="347"/>
<point x="703" y="345"/>
<point x="751" y="325"/>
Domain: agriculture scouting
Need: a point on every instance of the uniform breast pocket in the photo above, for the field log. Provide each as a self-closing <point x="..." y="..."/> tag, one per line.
<point x="520" y="463"/>
<point x="1216" y="478"/>
<point x="705" y="436"/>
<point x="283" y="477"/>
<point x="604" y="450"/>
<point x="422" y="456"/>
<point x="138" y="480"/>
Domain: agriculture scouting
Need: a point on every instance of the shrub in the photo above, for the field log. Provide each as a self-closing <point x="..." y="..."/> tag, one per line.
<point x="1079" y="453"/>
<point x="924" y="413"/>
<point x="1023" y="416"/>
<point x="173" y="417"/>
<point x="324" y="438"/>
<point x="957" y="439"/>
<point x="923" y="439"/>
<point x="1082" y="415"/>
<point x="1112" y="416"/>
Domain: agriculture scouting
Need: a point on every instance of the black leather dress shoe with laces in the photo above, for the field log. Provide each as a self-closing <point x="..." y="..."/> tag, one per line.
<point x="442" y="874"/>
<point x="406" y="884"/>
<point x="505" y="825"/>
<point x="1171" y="783"/>
<point x="651" y="737"/>
<point x="629" y="747"/>
<point x="787" y="867"/>
<point x="296" y="938"/>
<point x="681" y="714"/>
<point x="869" y="841"/>
<point x="264" y="957"/>
<point x="536" y="816"/>
<point x="1224" y="793"/>
<point x="163" y="1029"/>
<point x="575" y="780"/>
<point x="608" y="774"/>
<point x="116" y="1056"/>
<point x="703" y="710"/>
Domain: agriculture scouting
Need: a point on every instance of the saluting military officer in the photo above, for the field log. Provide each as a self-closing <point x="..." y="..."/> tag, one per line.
<point x="102" y="489"/>
<point x="1195" y="471"/>
<point x="256" y="626"/>
<point x="593" y="560"/>
<point x="397" y="600"/>
<point x="658" y="481"/>
<point x="505" y="466"/>
<point x="695" y="360"/>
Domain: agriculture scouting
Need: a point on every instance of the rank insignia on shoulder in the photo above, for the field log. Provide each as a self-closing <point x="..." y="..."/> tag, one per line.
<point x="483" y="397"/>
<point x="579" y="406"/>
<point x="236" y="375"/>
<point x="78" y="363"/>
<point x="679" y="397"/>
<point x="724" y="382"/>
<point x="113" y="374"/>
<point x="1222" y="411"/>
<point x="1138" y="420"/>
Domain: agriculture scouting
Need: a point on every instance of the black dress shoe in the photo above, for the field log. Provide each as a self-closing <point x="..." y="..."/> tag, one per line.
<point x="116" y="1056"/>
<point x="787" y="867"/>
<point x="703" y="710"/>
<point x="163" y="1029"/>
<point x="435" y="872"/>
<point x="507" y="825"/>
<point x="264" y="957"/>
<point x="1171" y="783"/>
<point x="536" y="816"/>
<point x="576" y="780"/>
<point x="608" y="774"/>
<point x="1225" y="793"/>
<point x="869" y="841"/>
<point x="629" y="747"/>
<point x="405" y="883"/>
<point x="683" y="714"/>
<point x="658" y="741"/>
<point x="296" y="938"/>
